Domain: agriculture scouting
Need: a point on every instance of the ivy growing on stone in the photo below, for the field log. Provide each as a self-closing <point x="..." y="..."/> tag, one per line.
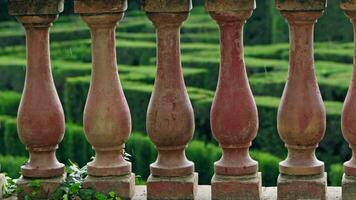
<point x="72" y="188"/>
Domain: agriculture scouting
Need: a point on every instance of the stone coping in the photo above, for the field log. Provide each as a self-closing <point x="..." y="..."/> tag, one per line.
<point x="204" y="193"/>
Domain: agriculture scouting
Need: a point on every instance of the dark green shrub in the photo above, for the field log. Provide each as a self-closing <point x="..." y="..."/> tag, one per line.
<point x="3" y="120"/>
<point x="75" y="146"/>
<point x="11" y="165"/>
<point x="13" y="144"/>
<point x="12" y="76"/>
<point x="335" y="174"/>
<point x="142" y="152"/>
<point x="259" y="28"/>
<point x="268" y="165"/>
<point x="9" y="103"/>
<point x="203" y="155"/>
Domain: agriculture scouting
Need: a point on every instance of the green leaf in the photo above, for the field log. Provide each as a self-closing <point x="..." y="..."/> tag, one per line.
<point x="100" y="196"/>
<point x="86" y="194"/>
<point x="35" y="184"/>
<point x="74" y="188"/>
<point x="112" y="194"/>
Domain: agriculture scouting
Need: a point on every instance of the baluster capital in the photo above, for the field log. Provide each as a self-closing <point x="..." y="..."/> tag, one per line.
<point x="35" y="7"/>
<point x="167" y="6"/>
<point x="301" y="5"/>
<point x="349" y="8"/>
<point x="168" y="20"/>
<point x="107" y="21"/>
<point x="99" y="6"/>
<point x="40" y="21"/>
<point x="348" y="5"/>
<point x="229" y="5"/>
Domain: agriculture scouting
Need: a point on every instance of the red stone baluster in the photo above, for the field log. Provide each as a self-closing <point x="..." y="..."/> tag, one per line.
<point x="170" y="117"/>
<point x="40" y="117"/>
<point x="301" y="115"/>
<point x="107" y="120"/>
<point x="348" y="118"/>
<point x="234" y="117"/>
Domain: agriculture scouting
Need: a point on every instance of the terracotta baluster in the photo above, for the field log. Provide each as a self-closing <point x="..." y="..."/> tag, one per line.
<point x="234" y="117"/>
<point x="348" y="118"/>
<point x="107" y="120"/>
<point x="170" y="117"/>
<point x="301" y="115"/>
<point x="40" y="117"/>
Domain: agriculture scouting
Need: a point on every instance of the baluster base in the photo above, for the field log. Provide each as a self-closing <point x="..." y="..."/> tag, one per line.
<point x="348" y="187"/>
<point x="123" y="186"/>
<point x="171" y="188"/>
<point x="301" y="187"/>
<point x="31" y="172"/>
<point x="247" y="187"/>
<point x="101" y="171"/>
<point x="44" y="189"/>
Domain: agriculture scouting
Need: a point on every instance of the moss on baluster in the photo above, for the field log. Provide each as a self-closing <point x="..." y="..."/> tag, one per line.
<point x="229" y="5"/>
<point x="99" y="6"/>
<point x="35" y="7"/>
<point x="300" y="5"/>
<point x="348" y="5"/>
<point x="166" y="5"/>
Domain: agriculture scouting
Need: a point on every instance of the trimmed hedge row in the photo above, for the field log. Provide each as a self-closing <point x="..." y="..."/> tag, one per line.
<point x="335" y="174"/>
<point x="75" y="147"/>
<point x="11" y="165"/>
<point x="332" y="149"/>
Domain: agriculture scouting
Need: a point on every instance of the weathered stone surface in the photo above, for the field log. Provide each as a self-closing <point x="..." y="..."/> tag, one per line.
<point x="301" y="119"/>
<point x="348" y="116"/>
<point x="124" y="186"/>
<point x="172" y="188"/>
<point x="301" y="187"/>
<point x="301" y="5"/>
<point x="170" y="102"/>
<point x="348" y="187"/>
<point x="348" y="5"/>
<point x="229" y="5"/>
<point x="107" y="118"/>
<point x="99" y="6"/>
<point x="233" y="126"/>
<point x="40" y="119"/>
<point x="166" y="5"/>
<point x="35" y="7"/>
<point x="44" y="191"/>
<point x="2" y="182"/>
<point x="204" y="193"/>
<point x="236" y="187"/>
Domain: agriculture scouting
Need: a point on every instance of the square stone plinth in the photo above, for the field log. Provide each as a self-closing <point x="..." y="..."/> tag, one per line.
<point x="123" y="186"/>
<point x="301" y="187"/>
<point x="348" y="187"/>
<point x="2" y="182"/>
<point x="236" y="187"/>
<point x="35" y="7"/>
<point x="172" y="188"/>
<point x="38" y="188"/>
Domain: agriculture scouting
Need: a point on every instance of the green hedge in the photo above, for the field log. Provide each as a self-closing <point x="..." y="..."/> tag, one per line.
<point x="9" y="102"/>
<point x="3" y="120"/>
<point x="138" y="95"/>
<point x="12" y="142"/>
<point x="75" y="147"/>
<point x="11" y="165"/>
<point x="336" y="173"/>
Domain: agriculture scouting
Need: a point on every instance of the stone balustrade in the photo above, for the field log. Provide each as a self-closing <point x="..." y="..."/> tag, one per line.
<point x="170" y="116"/>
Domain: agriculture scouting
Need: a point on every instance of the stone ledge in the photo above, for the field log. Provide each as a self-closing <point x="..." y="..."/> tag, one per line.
<point x="204" y="193"/>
